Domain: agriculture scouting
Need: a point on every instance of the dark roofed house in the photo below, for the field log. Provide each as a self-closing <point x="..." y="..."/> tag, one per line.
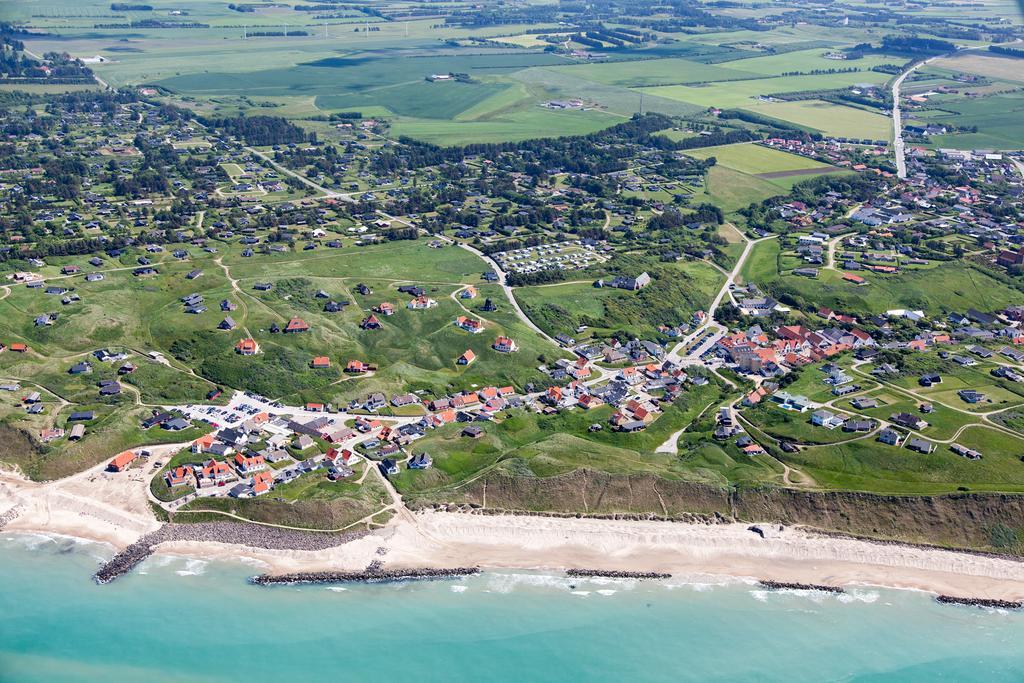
<point x="858" y="426"/>
<point x="420" y="461"/>
<point x="981" y="318"/>
<point x="176" y="424"/>
<point x="908" y="420"/>
<point x="971" y="396"/>
<point x="156" y="419"/>
<point x="890" y="436"/>
<point x="921" y="446"/>
<point x="80" y="368"/>
<point x="864" y="402"/>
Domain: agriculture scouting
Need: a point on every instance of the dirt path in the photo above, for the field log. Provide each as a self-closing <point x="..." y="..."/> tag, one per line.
<point x="235" y="288"/>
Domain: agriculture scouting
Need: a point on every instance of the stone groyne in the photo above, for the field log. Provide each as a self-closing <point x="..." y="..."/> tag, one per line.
<point x="610" y="574"/>
<point x="370" y="575"/>
<point x="782" y="585"/>
<point x="251" y="535"/>
<point x="979" y="602"/>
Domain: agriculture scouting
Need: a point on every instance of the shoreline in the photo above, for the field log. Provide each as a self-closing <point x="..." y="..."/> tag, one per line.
<point x="115" y="510"/>
<point x="799" y="560"/>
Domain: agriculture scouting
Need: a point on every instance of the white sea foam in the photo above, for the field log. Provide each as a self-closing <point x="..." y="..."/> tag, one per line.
<point x="815" y="596"/>
<point x="506" y="583"/>
<point x="856" y="595"/>
<point x="336" y="589"/>
<point x="606" y="591"/>
<point x="193" y="568"/>
<point x="458" y="589"/>
<point x="40" y="540"/>
<point x="581" y="593"/>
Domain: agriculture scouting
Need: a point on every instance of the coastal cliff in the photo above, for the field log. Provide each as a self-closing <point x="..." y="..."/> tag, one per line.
<point x="962" y="520"/>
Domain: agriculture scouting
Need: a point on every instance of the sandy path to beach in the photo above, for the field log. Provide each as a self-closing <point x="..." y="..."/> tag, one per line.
<point x="114" y="508"/>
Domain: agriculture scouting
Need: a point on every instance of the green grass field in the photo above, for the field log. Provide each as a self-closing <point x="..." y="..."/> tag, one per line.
<point x="869" y="466"/>
<point x="655" y="72"/>
<point x="946" y="287"/>
<point x="757" y="159"/>
<point x="746" y="173"/>
<point x="743" y="94"/>
<point x="830" y="119"/>
<point x="998" y="118"/>
<point x="562" y="308"/>
<point x="732" y="190"/>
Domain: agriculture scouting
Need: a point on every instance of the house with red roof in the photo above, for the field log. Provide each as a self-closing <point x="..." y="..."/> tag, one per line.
<point x="386" y="308"/>
<point x="247" y="464"/>
<point x="343" y="456"/>
<point x="262" y="483"/>
<point x="504" y="345"/>
<point x="247" y="347"/>
<point x="178" y="476"/>
<point x="214" y="473"/>
<point x="320" y="362"/>
<point x="421" y="303"/>
<point x="202" y="444"/>
<point x="370" y="322"/>
<point x="443" y="417"/>
<point x="466" y="358"/>
<point x="296" y="325"/>
<point x="580" y="369"/>
<point x="469" y="324"/>
<point x="121" y="461"/>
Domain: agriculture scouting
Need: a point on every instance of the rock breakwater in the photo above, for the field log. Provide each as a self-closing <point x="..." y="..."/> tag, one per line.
<point x="979" y="602"/>
<point x="610" y="574"/>
<point x="251" y="535"/>
<point x="370" y="575"/>
<point x="782" y="585"/>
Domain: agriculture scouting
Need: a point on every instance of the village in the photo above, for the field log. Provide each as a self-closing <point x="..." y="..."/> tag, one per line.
<point x="405" y="307"/>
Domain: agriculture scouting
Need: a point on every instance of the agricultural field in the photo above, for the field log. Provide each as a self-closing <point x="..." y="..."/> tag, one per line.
<point x="656" y="72"/>
<point x="998" y="118"/>
<point x="744" y="94"/>
<point x="983" y="64"/>
<point x="746" y="173"/>
<point x="761" y="161"/>
<point x="830" y="119"/>
<point x="732" y="190"/>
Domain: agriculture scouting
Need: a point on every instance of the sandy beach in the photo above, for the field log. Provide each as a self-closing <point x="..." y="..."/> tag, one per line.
<point x="114" y="509"/>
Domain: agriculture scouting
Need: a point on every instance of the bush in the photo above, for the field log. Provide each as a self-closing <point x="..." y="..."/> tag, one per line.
<point x="1002" y="536"/>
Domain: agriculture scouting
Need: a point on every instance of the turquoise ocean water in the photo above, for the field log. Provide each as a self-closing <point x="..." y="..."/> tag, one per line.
<point x="177" y="619"/>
